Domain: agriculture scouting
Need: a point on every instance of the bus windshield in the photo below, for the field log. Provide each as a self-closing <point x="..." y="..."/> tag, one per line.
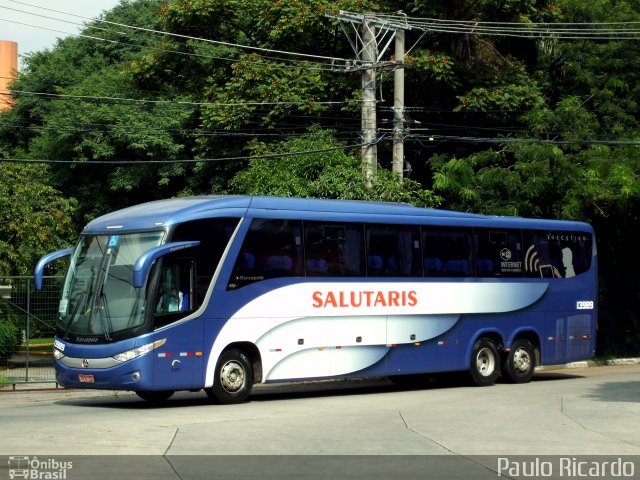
<point x="98" y="298"/>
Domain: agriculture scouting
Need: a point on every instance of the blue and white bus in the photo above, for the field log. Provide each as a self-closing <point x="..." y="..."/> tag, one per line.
<point x="219" y="293"/>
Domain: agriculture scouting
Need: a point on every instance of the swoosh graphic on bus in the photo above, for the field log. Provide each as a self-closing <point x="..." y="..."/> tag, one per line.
<point x="321" y="346"/>
<point x="267" y="312"/>
<point x="314" y="363"/>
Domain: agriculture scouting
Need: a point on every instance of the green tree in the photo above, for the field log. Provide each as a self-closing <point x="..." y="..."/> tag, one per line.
<point x="581" y="92"/>
<point x="93" y="112"/>
<point x="496" y="124"/>
<point x="607" y="192"/>
<point x="327" y="173"/>
<point x="34" y="217"/>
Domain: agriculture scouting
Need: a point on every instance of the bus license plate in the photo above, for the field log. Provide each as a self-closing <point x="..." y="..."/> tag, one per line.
<point x="86" y="379"/>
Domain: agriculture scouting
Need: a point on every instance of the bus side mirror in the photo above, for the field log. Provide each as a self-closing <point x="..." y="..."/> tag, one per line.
<point x="143" y="264"/>
<point x="47" y="259"/>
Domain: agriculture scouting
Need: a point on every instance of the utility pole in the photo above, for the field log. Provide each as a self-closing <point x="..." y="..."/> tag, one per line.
<point x="397" y="165"/>
<point x="369" y="117"/>
<point x="372" y="39"/>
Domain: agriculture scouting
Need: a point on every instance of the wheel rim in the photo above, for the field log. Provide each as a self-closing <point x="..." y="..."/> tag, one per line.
<point x="485" y="362"/>
<point x="521" y="360"/>
<point x="232" y="376"/>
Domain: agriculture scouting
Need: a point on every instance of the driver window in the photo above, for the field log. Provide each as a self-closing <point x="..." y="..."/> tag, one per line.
<point x="174" y="298"/>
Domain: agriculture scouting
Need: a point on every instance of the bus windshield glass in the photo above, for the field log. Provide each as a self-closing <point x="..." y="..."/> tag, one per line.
<point x="98" y="298"/>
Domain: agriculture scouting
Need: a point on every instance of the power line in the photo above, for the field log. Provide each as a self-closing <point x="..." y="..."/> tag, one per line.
<point x="524" y="141"/>
<point x="56" y="19"/>
<point x="324" y="59"/>
<point x="295" y="130"/>
<point x="304" y="65"/>
<point x="183" y="161"/>
<point x="476" y="22"/>
<point x="169" y="102"/>
<point x="117" y="42"/>
<point x="58" y="31"/>
<point x="174" y="131"/>
<point x="564" y="31"/>
<point x="307" y="65"/>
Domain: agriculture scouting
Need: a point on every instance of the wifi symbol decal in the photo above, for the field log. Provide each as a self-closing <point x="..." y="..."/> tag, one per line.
<point x="531" y="260"/>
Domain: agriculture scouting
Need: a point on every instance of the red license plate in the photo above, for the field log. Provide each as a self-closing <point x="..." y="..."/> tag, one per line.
<point x="86" y="379"/>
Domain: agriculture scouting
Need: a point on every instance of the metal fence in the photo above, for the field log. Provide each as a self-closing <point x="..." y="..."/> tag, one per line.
<point x="27" y="327"/>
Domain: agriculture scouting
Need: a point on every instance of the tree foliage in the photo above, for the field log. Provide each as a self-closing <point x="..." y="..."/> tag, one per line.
<point x="496" y="124"/>
<point x="328" y="173"/>
<point x="34" y="218"/>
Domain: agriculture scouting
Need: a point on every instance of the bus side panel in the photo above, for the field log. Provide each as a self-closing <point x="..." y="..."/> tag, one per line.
<point x="178" y="364"/>
<point x="414" y="358"/>
<point x="568" y="337"/>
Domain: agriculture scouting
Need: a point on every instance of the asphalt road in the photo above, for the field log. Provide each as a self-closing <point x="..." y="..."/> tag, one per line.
<point x="335" y="429"/>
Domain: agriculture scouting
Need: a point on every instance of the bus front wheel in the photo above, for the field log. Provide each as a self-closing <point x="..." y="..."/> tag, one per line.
<point x="485" y="362"/>
<point x="233" y="378"/>
<point x="520" y="363"/>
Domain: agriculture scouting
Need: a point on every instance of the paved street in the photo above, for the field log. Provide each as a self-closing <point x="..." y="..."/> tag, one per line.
<point x="590" y="411"/>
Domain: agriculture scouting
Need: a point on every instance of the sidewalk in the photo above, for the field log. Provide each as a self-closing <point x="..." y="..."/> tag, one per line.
<point x="35" y="377"/>
<point x="591" y="363"/>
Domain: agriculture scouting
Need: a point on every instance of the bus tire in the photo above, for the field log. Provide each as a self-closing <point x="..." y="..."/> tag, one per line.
<point x="233" y="378"/>
<point x="485" y="363"/>
<point x="157" y="396"/>
<point x="520" y="363"/>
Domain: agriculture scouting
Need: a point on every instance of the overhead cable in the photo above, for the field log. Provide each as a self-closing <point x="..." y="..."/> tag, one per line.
<point x="188" y="37"/>
<point x="166" y="102"/>
<point x="183" y="161"/>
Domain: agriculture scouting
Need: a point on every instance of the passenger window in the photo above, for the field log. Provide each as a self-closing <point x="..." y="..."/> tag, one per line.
<point x="551" y="254"/>
<point x="498" y="253"/>
<point x="272" y="248"/>
<point x="333" y="249"/>
<point x="447" y="252"/>
<point x="393" y="251"/>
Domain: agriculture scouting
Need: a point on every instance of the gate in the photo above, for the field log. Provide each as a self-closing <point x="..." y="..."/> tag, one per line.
<point x="27" y="328"/>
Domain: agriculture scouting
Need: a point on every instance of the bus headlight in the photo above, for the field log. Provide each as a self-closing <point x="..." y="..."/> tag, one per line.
<point x="137" y="352"/>
<point x="57" y="354"/>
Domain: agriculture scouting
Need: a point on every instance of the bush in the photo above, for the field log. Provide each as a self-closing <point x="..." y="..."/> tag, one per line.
<point x="9" y="338"/>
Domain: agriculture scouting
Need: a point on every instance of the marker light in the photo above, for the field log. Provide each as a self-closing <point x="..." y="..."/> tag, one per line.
<point x="136" y="352"/>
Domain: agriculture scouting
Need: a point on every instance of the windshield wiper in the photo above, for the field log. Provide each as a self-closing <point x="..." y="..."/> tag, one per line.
<point x="73" y="316"/>
<point x="105" y="321"/>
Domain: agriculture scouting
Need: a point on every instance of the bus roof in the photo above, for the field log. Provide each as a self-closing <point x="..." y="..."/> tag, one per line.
<point x="163" y="213"/>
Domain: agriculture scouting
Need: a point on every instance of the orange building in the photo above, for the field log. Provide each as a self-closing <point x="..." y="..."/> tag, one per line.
<point x="8" y="70"/>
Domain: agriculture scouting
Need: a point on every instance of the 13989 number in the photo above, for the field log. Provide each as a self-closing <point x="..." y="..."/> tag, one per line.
<point x="584" y="305"/>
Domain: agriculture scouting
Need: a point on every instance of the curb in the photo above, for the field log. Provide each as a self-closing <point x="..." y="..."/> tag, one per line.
<point x="591" y="363"/>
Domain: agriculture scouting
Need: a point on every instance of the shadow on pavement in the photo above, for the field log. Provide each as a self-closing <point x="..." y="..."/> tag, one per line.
<point x="617" y="392"/>
<point x="291" y="391"/>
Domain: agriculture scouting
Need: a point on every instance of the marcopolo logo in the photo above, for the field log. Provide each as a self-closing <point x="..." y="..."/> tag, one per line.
<point x="38" y="469"/>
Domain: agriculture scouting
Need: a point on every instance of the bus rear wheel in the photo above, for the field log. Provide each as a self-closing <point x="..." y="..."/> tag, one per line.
<point x="520" y="363"/>
<point x="159" y="396"/>
<point x="233" y="378"/>
<point x="485" y="362"/>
